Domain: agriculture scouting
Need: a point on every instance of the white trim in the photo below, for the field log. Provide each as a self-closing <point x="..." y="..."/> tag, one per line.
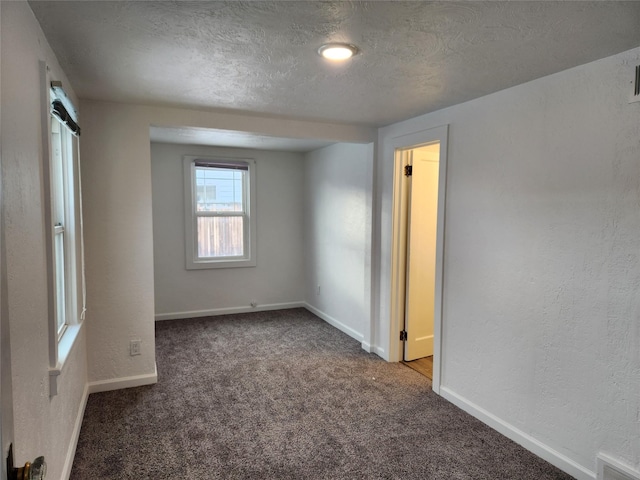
<point x="367" y="347"/>
<point x="45" y="131"/>
<point x="392" y="153"/>
<point x="60" y="346"/>
<point x="75" y="435"/>
<point x="399" y="243"/>
<point x="606" y="461"/>
<point x="250" y="229"/>
<point x="124" y="382"/>
<point x="335" y="323"/>
<point x="65" y="347"/>
<point x="367" y="329"/>
<point x="227" y="311"/>
<point x="535" y="446"/>
<point x="379" y="351"/>
<point x="375" y="254"/>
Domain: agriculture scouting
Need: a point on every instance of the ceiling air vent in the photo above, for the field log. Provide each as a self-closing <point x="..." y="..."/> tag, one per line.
<point x="635" y="92"/>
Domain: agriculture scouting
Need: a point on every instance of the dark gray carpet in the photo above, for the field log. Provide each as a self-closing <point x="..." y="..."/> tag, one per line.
<point x="283" y="395"/>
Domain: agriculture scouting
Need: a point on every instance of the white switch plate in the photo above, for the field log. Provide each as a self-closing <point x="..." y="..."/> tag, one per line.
<point x="135" y="347"/>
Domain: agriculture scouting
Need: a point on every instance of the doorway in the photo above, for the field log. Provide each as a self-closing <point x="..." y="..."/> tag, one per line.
<point x="417" y="246"/>
<point x="420" y="167"/>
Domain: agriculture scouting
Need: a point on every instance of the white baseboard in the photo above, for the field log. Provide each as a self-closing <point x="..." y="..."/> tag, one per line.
<point x="525" y="440"/>
<point x="380" y="352"/>
<point x="367" y="347"/>
<point x="125" y="382"/>
<point x="75" y="435"/>
<point x="335" y="323"/>
<point x="608" y="467"/>
<point x="227" y="311"/>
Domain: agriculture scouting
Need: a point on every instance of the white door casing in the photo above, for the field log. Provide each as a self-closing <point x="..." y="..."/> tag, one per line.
<point x="397" y="296"/>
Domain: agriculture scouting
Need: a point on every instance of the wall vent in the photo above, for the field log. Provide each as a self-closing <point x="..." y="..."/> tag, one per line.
<point x="635" y="84"/>
<point x="610" y="469"/>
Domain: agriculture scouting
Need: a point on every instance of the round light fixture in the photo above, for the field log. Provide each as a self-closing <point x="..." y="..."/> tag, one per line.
<point x="337" y="51"/>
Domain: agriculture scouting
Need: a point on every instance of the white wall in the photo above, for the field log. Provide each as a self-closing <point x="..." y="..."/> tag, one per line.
<point x="116" y="189"/>
<point x="116" y="170"/>
<point x="43" y="425"/>
<point x="277" y="279"/>
<point x="542" y="266"/>
<point x="337" y="230"/>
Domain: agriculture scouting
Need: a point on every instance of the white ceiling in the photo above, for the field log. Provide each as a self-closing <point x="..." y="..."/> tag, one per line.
<point x="260" y="56"/>
<point x="228" y="138"/>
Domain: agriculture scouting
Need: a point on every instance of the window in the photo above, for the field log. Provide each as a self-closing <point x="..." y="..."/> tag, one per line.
<point x="219" y="213"/>
<point x="63" y="225"/>
<point x="63" y="204"/>
<point x="61" y="169"/>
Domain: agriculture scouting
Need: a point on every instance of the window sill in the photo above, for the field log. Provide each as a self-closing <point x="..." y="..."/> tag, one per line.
<point x="65" y="346"/>
<point x="227" y="263"/>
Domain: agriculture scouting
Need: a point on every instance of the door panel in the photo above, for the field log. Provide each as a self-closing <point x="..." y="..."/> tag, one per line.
<point x="421" y="252"/>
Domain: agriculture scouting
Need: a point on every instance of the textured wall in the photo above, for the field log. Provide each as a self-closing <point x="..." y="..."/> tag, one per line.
<point x="338" y="234"/>
<point x="116" y="169"/>
<point x="43" y="425"/>
<point x="542" y="265"/>
<point x="278" y="276"/>
<point x="116" y="182"/>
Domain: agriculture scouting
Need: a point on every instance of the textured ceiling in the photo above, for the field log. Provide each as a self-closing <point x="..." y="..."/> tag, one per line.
<point x="260" y="56"/>
<point x="226" y="138"/>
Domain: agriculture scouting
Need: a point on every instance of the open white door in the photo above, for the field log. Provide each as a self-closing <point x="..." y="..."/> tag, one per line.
<point x="421" y="251"/>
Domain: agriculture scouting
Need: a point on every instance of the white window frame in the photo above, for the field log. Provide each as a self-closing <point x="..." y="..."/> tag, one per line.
<point x="64" y="184"/>
<point x="64" y="226"/>
<point x="248" y="259"/>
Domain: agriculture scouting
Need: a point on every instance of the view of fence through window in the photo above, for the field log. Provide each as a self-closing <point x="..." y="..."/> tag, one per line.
<point x="220" y="210"/>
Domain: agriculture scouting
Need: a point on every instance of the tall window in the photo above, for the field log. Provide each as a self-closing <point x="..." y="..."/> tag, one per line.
<point x="65" y="230"/>
<point x="62" y="209"/>
<point x="63" y="221"/>
<point x="220" y="213"/>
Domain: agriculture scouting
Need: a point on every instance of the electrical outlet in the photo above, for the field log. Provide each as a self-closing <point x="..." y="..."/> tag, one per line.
<point x="135" y="347"/>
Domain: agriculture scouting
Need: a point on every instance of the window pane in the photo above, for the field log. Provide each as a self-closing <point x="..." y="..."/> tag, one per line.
<point x="220" y="237"/>
<point x="60" y="284"/>
<point x="219" y="189"/>
<point x="58" y="134"/>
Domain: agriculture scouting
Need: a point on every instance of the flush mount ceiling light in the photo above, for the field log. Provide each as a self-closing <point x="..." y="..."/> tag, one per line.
<point x="337" y="51"/>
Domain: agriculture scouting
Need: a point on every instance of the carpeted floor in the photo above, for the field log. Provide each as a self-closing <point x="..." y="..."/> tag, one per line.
<point x="283" y="395"/>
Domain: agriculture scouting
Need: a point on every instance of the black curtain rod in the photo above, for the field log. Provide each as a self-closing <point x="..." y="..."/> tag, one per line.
<point x="57" y="109"/>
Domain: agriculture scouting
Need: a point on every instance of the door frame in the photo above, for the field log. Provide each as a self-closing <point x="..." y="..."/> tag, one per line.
<point x="399" y="245"/>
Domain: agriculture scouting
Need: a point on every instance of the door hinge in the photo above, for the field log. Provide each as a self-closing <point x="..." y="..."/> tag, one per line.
<point x="403" y="335"/>
<point x="408" y="170"/>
